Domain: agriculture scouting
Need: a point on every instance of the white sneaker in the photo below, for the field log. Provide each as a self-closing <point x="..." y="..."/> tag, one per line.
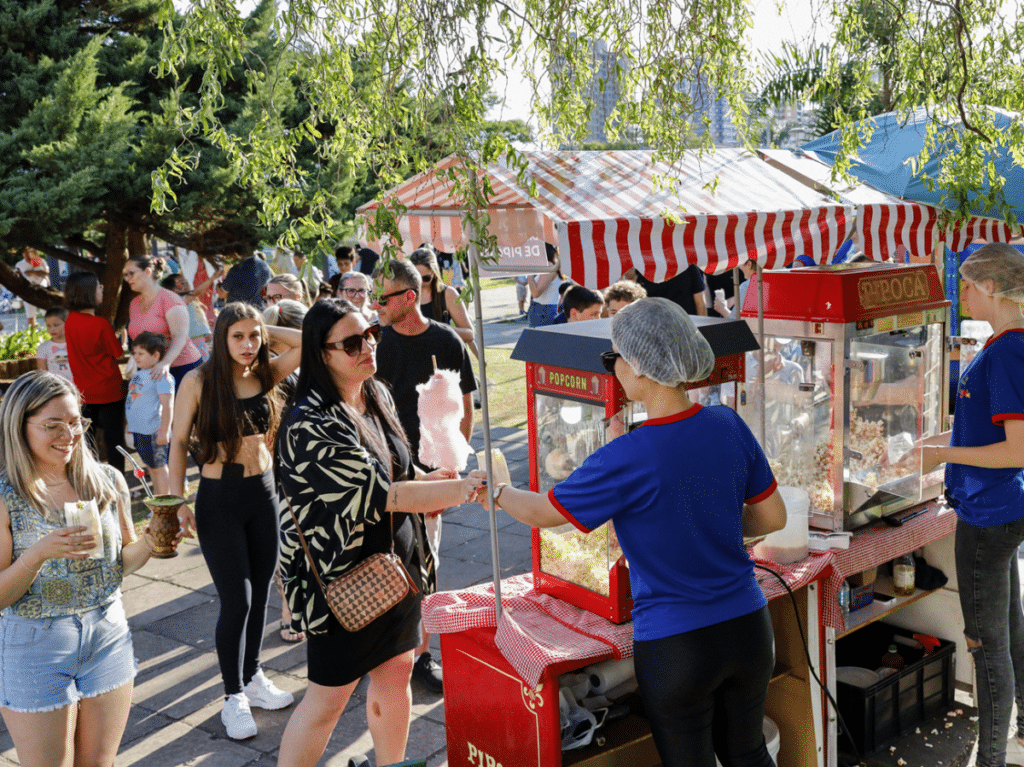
<point x="237" y="717"/>
<point x="263" y="693"/>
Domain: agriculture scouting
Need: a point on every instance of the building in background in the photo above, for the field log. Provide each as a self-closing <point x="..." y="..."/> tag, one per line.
<point x="603" y="99"/>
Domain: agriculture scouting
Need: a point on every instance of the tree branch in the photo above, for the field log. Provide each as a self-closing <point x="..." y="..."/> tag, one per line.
<point x="959" y="37"/>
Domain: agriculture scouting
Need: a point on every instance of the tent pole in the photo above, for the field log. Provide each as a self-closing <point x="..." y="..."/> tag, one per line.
<point x="760" y="351"/>
<point x="474" y="268"/>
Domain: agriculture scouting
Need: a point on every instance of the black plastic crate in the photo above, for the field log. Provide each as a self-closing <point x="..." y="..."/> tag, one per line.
<point x="893" y="706"/>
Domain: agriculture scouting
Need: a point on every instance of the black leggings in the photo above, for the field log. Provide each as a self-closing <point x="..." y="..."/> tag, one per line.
<point x="704" y="692"/>
<point x="110" y="418"/>
<point x="237" y="524"/>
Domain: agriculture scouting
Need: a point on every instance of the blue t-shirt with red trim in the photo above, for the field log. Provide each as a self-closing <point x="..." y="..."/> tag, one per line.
<point x="990" y="392"/>
<point x="675" y="489"/>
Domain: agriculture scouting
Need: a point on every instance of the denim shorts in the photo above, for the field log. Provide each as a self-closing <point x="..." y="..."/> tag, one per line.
<point x="152" y="454"/>
<point x="50" y="663"/>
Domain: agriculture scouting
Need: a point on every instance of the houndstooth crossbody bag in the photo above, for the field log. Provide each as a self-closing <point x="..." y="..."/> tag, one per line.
<point x="368" y="590"/>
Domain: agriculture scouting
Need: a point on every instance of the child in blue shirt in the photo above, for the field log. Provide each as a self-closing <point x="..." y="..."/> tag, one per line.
<point x="150" y="409"/>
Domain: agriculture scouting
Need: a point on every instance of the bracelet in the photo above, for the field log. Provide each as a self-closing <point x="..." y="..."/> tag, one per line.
<point x="25" y="565"/>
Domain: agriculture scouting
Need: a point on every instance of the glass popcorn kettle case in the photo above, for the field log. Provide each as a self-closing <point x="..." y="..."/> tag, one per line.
<point x="574" y="407"/>
<point x="856" y="370"/>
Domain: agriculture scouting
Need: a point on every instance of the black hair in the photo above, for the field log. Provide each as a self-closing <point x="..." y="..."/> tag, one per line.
<point x="154" y="343"/>
<point x="314" y="376"/>
<point x="580" y="298"/>
<point x="56" y="311"/>
<point x="80" y="291"/>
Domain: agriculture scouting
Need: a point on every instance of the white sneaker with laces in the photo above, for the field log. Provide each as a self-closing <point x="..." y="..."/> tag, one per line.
<point x="237" y="717"/>
<point x="262" y="693"/>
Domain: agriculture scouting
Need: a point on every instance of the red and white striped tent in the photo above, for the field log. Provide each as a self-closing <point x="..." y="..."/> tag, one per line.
<point x="884" y="223"/>
<point x="610" y="211"/>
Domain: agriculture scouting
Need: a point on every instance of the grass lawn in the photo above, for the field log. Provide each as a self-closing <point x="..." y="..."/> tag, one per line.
<point x="506" y="394"/>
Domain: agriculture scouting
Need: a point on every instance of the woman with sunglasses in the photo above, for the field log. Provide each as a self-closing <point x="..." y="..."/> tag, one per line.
<point x="345" y="467"/>
<point x="226" y="415"/>
<point x="440" y="302"/>
<point x="67" y="663"/>
<point x="682" y="490"/>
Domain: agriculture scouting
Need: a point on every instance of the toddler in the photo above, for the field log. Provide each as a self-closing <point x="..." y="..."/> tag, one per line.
<point x="149" y="408"/>
<point x="52" y="355"/>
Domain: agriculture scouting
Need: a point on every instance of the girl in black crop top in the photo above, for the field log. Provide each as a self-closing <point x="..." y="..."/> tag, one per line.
<point x="226" y="415"/>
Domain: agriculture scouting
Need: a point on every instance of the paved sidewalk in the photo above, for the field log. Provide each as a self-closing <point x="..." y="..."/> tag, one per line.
<point x="172" y="609"/>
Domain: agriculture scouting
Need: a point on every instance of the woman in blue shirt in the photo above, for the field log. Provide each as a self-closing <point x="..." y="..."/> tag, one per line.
<point x="985" y="484"/>
<point x="683" y="490"/>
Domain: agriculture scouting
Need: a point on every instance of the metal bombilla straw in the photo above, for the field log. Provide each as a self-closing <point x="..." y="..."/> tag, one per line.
<point x="139" y="471"/>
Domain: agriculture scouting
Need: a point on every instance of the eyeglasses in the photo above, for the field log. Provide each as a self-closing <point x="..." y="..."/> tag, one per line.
<point x="274" y="299"/>
<point x="56" y="428"/>
<point x="130" y="273"/>
<point x="354" y="344"/>
<point x="383" y="300"/>
<point x="608" y="360"/>
<point x="354" y="292"/>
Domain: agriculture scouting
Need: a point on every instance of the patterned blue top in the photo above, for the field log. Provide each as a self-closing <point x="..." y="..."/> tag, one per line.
<point x="64" y="586"/>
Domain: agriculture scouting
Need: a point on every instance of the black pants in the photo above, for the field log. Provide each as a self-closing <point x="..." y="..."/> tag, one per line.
<point x="237" y="524"/>
<point x="704" y="692"/>
<point x="110" y="418"/>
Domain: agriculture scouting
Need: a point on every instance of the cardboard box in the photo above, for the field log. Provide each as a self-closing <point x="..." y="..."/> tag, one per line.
<point x="863" y="579"/>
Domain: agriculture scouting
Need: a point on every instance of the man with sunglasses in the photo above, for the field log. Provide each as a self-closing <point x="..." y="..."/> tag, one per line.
<point x="409" y="344"/>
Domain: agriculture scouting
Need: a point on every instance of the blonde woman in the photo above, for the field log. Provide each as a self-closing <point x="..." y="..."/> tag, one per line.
<point x="288" y="286"/>
<point x="67" y="664"/>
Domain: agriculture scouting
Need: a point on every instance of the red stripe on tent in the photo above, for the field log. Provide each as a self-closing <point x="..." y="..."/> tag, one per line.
<point x="622" y="244"/>
<point x="601" y="254"/>
<point x="732" y="244"/>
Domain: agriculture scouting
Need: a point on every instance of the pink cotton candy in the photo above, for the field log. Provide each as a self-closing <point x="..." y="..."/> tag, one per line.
<point x="442" y="445"/>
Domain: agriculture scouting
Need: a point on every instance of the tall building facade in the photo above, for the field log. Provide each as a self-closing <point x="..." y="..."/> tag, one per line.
<point x="603" y="101"/>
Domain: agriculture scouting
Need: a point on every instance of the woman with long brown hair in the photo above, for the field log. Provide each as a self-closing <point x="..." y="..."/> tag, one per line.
<point x="226" y="413"/>
<point x="440" y="302"/>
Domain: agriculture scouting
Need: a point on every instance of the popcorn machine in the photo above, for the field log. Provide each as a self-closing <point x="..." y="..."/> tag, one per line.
<point x="856" y="370"/>
<point x="575" y="407"/>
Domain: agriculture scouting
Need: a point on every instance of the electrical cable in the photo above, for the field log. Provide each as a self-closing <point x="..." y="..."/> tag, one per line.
<point x="810" y="663"/>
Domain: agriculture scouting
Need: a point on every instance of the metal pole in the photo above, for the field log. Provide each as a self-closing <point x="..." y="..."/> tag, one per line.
<point x="760" y="351"/>
<point x="474" y="268"/>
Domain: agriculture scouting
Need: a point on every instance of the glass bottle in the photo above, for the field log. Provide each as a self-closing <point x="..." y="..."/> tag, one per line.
<point x="893" y="659"/>
<point x="903" y="575"/>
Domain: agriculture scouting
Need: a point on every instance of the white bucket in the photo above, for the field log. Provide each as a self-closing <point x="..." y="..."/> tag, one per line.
<point x="789" y="544"/>
<point x="771" y="736"/>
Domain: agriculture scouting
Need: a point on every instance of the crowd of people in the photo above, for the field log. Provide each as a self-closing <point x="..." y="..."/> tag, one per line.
<point x="299" y="409"/>
<point x="330" y="445"/>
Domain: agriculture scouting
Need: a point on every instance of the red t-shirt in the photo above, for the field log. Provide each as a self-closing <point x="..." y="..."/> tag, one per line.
<point x="93" y="352"/>
<point x="155" y="321"/>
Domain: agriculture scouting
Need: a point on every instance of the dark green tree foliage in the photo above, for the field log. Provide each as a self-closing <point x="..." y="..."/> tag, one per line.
<point x="85" y="121"/>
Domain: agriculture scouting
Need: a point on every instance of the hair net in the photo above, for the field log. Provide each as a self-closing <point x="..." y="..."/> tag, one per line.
<point x="1001" y="263"/>
<point x="659" y="340"/>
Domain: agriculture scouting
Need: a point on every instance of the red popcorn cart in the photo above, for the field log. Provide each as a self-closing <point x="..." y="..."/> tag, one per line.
<point x="856" y="371"/>
<point x="574" y="407"/>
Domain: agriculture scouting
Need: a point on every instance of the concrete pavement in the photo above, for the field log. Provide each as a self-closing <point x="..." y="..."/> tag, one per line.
<point x="172" y="610"/>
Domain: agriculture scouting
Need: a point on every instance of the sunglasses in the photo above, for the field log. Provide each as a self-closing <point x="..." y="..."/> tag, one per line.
<point x="383" y="300"/>
<point x="608" y="360"/>
<point x="354" y="344"/>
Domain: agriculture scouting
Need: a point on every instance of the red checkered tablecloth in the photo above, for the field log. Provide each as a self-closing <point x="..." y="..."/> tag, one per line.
<point x="879" y="543"/>
<point x="538" y="631"/>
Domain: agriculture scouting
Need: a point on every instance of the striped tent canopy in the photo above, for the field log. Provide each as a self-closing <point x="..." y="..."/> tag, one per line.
<point x="610" y="211"/>
<point x="884" y="223"/>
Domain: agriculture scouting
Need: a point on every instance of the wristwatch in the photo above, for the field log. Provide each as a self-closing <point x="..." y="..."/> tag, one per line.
<point x="497" y="491"/>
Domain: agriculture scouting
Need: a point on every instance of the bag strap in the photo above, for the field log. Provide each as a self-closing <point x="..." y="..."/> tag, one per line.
<point x="302" y="540"/>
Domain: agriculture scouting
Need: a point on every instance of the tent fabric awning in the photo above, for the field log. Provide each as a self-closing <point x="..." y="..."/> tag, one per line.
<point x="615" y="210"/>
<point x="884" y="223"/>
